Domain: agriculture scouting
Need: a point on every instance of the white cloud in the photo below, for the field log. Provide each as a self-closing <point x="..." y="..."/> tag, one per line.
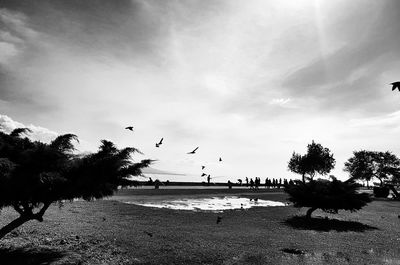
<point x="280" y="101"/>
<point x="38" y="133"/>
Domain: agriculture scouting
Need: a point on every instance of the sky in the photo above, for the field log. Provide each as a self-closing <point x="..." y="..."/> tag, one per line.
<point x="248" y="81"/>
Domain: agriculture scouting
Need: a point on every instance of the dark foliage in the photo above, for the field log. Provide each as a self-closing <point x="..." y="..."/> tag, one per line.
<point x="34" y="174"/>
<point x="365" y="165"/>
<point x="329" y="196"/>
<point x="381" y="192"/>
<point x="318" y="159"/>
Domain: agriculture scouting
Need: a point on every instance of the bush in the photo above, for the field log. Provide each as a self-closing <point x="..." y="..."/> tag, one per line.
<point x="329" y="196"/>
<point x="381" y="192"/>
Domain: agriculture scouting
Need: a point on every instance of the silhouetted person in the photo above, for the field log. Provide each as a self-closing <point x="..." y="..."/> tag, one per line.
<point x="251" y="184"/>
<point x="129" y="128"/>
<point x="157" y="184"/>
<point x="167" y="183"/>
<point x="194" y="151"/>
<point x="160" y="143"/>
<point x="219" y="219"/>
<point x="208" y="179"/>
<point x="247" y="181"/>
<point x="150" y="182"/>
<point x="229" y="184"/>
<point x="395" y="85"/>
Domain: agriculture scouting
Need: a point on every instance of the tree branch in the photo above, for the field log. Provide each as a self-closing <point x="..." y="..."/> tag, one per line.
<point x="39" y="215"/>
<point x="18" y="209"/>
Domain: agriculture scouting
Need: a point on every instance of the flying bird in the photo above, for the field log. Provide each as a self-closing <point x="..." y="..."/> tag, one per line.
<point x="194" y="151"/>
<point x="204" y="174"/>
<point x="203" y="167"/>
<point x="395" y="85"/>
<point x="220" y="159"/>
<point x="129" y="128"/>
<point x="160" y="143"/>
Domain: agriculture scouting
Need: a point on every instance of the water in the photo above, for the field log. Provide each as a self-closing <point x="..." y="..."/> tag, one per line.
<point x="220" y="203"/>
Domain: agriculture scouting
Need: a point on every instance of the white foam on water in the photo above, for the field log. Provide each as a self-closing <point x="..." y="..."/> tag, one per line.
<point x="208" y="204"/>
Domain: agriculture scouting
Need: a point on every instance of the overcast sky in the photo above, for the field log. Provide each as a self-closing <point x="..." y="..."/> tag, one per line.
<point x="249" y="81"/>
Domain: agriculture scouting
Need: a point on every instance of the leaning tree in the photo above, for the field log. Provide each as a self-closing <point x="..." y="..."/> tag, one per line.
<point x="365" y="165"/>
<point x="33" y="175"/>
<point x="318" y="159"/>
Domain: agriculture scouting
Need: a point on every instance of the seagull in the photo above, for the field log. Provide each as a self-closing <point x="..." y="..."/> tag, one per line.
<point x="194" y="151"/>
<point x="220" y="159"/>
<point x="129" y="128"/>
<point x="160" y="143"/>
<point x="395" y="85"/>
<point x="203" y="167"/>
<point x="204" y="174"/>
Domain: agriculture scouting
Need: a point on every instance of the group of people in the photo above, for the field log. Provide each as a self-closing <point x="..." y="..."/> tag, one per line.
<point x="269" y="183"/>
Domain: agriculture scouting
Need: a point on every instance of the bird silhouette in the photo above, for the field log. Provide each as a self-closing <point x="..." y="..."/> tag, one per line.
<point x="194" y="151"/>
<point x="204" y="174"/>
<point x="395" y="85"/>
<point x="160" y="143"/>
<point x="220" y="159"/>
<point x="219" y="219"/>
<point x="203" y="167"/>
<point x="129" y="128"/>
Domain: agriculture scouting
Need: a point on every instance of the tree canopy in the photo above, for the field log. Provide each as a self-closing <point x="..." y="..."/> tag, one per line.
<point x="33" y="174"/>
<point x="365" y="165"/>
<point x="329" y="196"/>
<point x="318" y="159"/>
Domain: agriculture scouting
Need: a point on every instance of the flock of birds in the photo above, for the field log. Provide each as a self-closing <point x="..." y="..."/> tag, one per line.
<point x="158" y="144"/>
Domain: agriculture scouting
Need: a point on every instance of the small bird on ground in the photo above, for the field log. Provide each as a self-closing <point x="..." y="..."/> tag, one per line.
<point x="395" y="85"/>
<point x="194" y="151"/>
<point x="129" y="128"/>
<point x="148" y="233"/>
<point x="220" y="159"/>
<point x="203" y="167"/>
<point x="219" y="219"/>
<point x="160" y="143"/>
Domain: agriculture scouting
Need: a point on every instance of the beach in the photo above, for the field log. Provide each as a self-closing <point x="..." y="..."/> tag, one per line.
<point x="112" y="232"/>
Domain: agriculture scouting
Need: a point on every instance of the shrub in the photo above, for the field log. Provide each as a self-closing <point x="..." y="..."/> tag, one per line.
<point x="329" y="196"/>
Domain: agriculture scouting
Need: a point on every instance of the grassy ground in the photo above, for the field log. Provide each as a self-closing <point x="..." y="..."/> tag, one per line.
<point x="109" y="232"/>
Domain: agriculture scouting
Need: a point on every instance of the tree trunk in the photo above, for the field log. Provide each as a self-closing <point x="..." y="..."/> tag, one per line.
<point x="14" y="224"/>
<point x="303" y="178"/>
<point x="309" y="212"/>
<point x="25" y="216"/>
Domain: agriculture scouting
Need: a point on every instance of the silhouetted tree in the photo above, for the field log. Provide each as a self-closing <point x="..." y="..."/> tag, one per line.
<point x="318" y="159"/>
<point x="33" y="175"/>
<point x="365" y="165"/>
<point x="329" y="196"/>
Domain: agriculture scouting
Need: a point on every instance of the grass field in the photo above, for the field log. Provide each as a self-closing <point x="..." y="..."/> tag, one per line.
<point x="110" y="232"/>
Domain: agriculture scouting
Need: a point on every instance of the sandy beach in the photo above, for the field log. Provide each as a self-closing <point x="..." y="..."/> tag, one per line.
<point x="111" y="232"/>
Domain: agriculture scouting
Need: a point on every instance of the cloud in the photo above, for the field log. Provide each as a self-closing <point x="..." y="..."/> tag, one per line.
<point x="38" y="133"/>
<point x="280" y="101"/>
<point x="386" y="121"/>
<point x="351" y="76"/>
